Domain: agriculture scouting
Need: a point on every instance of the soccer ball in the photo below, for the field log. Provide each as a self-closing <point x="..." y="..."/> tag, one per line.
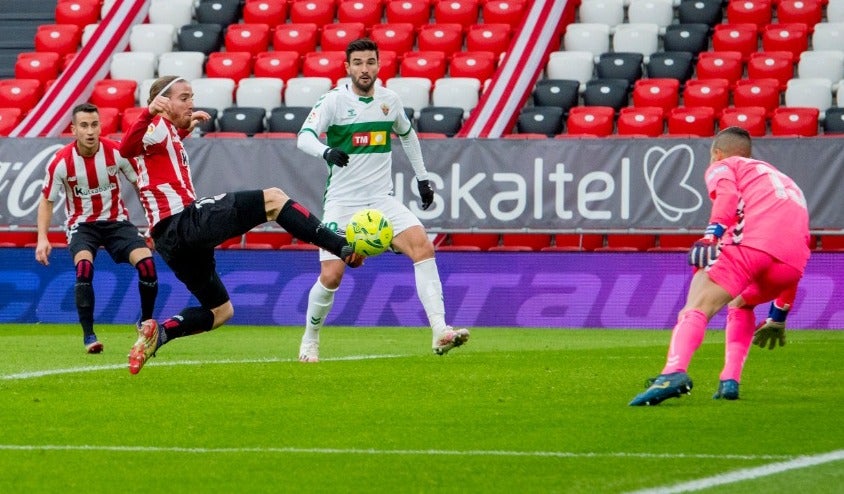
<point x="369" y="232"/>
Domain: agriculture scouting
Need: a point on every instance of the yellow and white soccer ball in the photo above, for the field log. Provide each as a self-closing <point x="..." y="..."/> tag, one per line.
<point x="369" y="232"/>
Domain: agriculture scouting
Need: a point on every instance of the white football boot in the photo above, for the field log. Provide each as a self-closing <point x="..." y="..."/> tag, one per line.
<point x="449" y="339"/>
<point x="309" y="351"/>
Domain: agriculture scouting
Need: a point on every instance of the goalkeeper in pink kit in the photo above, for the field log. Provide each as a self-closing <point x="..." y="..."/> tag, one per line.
<point x="754" y="250"/>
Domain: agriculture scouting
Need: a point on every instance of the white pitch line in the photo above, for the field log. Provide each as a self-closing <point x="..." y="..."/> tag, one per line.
<point x="94" y="368"/>
<point x="373" y="452"/>
<point x="747" y="474"/>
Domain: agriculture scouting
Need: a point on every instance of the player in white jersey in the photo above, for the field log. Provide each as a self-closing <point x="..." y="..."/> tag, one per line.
<point x="358" y="119"/>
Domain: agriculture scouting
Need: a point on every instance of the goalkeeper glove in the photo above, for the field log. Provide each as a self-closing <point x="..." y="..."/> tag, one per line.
<point x="769" y="333"/>
<point x="336" y="157"/>
<point x="704" y="252"/>
<point x="426" y="192"/>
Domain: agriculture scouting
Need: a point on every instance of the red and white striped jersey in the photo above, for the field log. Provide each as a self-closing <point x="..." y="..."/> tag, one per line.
<point x="163" y="169"/>
<point x="91" y="185"/>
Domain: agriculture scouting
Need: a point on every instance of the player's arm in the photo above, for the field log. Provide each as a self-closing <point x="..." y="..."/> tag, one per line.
<point x="410" y="144"/>
<point x="133" y="141"/>
<point x="45" y="216"/>
<point x="308" y="138"/>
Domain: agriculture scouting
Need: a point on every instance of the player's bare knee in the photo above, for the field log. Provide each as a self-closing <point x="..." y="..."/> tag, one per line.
<point x="223" y="314"/>
<point x="331" y="274"/>
<point x="274" y="199"/>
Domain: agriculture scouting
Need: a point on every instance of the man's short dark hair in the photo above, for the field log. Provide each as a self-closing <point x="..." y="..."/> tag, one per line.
<point x="361" y="44"/>
<point x="734" y="141"/>
<point x="84" y="108"/>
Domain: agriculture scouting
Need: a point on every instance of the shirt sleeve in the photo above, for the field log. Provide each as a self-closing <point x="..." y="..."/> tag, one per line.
<point x="722" y="188"/>
<point x="56" y="175"/>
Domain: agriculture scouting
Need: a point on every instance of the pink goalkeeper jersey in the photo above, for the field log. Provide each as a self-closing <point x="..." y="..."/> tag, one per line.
<point x="761" y="207"/>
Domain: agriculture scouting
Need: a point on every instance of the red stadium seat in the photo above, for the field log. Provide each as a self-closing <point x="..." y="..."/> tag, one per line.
<point x="757" y="92"/>
<point x="590" y="120"/>
<point x="777" y="65"/>
<point x="337" y="36"/>
<point x="743" y="38"/>
<point x="680" y="242"/>
<point x="325" y="64"/>
<point x="429" y="64"/>
<point x="623" y="242"/>
<point x="114" y="93"/>
<point x="389" y="64"/>
<point x="471" y="241"/>
<point x="301" y="38"/>
<point x="109" y="120"/>
<point x="699" y="121"/>
<point x="808" y="12"/>
<point x="416" y="12"/>
<point x="235" y="65"/>
<point x="9" y="119"/>
<point x="42" y="65"/>
<point x="793" y="38"/>
<point x="281" y="64"/>
<point x="641" y="121"/>
<point x="488" y="37"/>
<point x="575" y="242"/>
<point x="508" y="12"/>
<point x="225" y="135"/>
<point x="22" y="94"/>
<point x="750" y="118"/>
<point x="399" y="37"/>
<point x="757" y="12"/>
<point x="463" y="12"/>
<point x="129" y="117"/>
<point x="59" y="38"/>
<point x="79" y="13"/>
<point x="269" y="12"/>
<point x="250" y="38"/>
<point x="720" y="65"/>
<point x="274" y="239"/>
<point x="319" y="12"/>
<point x="713" y="93"/>
<point x="368" y="12"/>
<point x="527" y="242"/>
<point x="447" y="38"/>
<point x="795" y="121"/>
<point x="662" y="93"/>
<point x="477" y="64"/>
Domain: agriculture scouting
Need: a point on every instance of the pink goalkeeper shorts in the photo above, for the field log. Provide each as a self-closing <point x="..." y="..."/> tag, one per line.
<point x="751" y="273"/>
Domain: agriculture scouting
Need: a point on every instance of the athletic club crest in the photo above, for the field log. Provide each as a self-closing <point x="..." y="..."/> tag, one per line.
<point x="112" y="170"/>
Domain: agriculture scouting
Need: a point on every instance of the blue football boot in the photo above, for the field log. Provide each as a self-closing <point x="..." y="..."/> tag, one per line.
<point x="663" y="387"/>
<point x="727" y="389"/>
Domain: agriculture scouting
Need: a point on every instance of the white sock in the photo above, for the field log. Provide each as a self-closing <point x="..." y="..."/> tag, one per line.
<point x="320" y="300"/>
<point x="430" y="292"/>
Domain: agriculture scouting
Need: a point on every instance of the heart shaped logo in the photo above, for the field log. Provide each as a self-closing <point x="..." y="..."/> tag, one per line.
<point x="666" y="174"/>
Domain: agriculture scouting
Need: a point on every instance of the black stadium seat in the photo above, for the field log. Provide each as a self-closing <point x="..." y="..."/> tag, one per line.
<point x="288" y="118"/>
<point x="834" y="121"/>
<point x="546" y="120"/>
<point x="709" y="12"/>
<point x="562" y="93"/>
<point x="620" y="65"/>
<point x="249" y="120"/>
<point x="692" y="38"/>
<point x="614" y="93"/>
<point x="222" y="12"/>
<point x="210" y="125"/>
<point x="206" y="38"/>
<point x="671" y="65"/>
<point x="440" y="120"/>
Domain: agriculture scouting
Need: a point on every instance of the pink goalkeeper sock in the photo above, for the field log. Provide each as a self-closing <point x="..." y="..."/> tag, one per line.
<point x="685" y="339"/>
<point x="741" y="323"/>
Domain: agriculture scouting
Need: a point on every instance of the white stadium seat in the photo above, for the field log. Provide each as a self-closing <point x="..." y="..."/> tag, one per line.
<point x="174" y="12"/>
<point x="185" y="64"/>
<point x="263" y="92"/>
<point x="828" y="36"/>
<point x="573" y="65"/>
<point x="594" y="38"/>
<point x="659" y="12"/>
<point x="135" y="65"/>
<point x="305" y="91"/>
<point x="609" y="12"/>
<point x="637" y="38"/>
<point x="414" y="92"/>
<point x="213" y="92"/>
<point x="461" y="92"/>
<point x="810" y="93"/>
<point x="157" y="38"/>
<point x="825" y="64"/>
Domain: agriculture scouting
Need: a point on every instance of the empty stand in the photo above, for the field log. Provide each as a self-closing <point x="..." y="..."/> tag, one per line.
<point x="58" y="38"/>
<point x="444" y="37"/>
<point x="77" y="12"/>
<point x="659" y="12"/>
<point x="135" y="65"/>
<point x="222" y="12"/>
<point x="795" y="122"/>
<point x="177" y="13"/>
<point x="430" y="64"/>
<point x="87" y="34"/>
<point x="114" y="93"/>
<point x="812" y="93"/>
<point x="562" y="93"/>
<point x="388" y="65"/>
<point x="693" y="38"/>
<point x="476" y="64"/>
<point x="832" y="124"/>
<point x="461" y="92"/>
<point x="488" y="37"/>
<point x="210" y="125"/>
<point x="109" y="120"/>
<point x="641" y="121"/>
<point x="319" y="12"/>
<point x="572" y="65"/>
<point x="288" y="119"/>
<point x="720" y="65"/>
<point x="186" y="64"/>
<point x="777" y="65"/>
<point x="671" y="64"/>
<point x="675" y="242"/>
<point x="758" y="12"/>
<point x="590" y="120"/>
<point x="526" y="242"/>
<point x="589" y="37"/>
<point x="264" y="92"/>
<point x="640" y="38"/>
<point x="414" y="92"/>
<point x="463" y="12"/>
<point x="440" y="119"/>
<point x="9" y="118"/>
<point x="712" y="93"/>
<point x="622" y="242"/>
<point x="808" y="12"/>
<point x="368" y="13"/>
<point x="609" y="12"/>
<point x="399" y="37"/>
<point x="828" y="36"/>
<point x="709" y="12"/>
<point x="205" y="38"/>
<point x="249" y="120"/>
<point x="44" y="66"/>
<point x="213" y="92"/>
<point x="130" y="115"/>
<point x="743" y="38"/>
<point x="250" y="38"/>
<point x="792" y="38"/>
<point x="510" y="12"/>
<point x="696" y="121"/>
<point x="824" y="64"/>
<point x="620" y="65"/>
<point x="751" y="118"/>
<point x="416" y="12"/>
<point x="662" y="93"/>
<point x="613" y="93"/>
<point x="336" y="37"/>
<point x="283" y="65"/>
<point x="301" y="38"/>
<point x="547" y="120"/>
<point x="328" y="64"/>
<point x="575" y="242"/>
<point x="835" y="11"/>
<point x="269" y="12"/>
<point x="471" y="241"/>
<point x="305" y="91"/>
<point x="155" y="38"/>
<point x="764" y="93"/>
<point x="235" y="65"/>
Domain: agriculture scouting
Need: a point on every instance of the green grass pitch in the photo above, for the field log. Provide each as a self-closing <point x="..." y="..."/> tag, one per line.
<point x="515" y="410"/>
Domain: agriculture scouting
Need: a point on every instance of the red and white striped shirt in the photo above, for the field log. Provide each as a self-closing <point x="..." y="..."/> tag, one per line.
<point x="164" y="171"/>
<point x="91" y="185"/>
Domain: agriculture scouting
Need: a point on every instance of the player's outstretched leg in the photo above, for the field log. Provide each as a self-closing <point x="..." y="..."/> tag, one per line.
<point x="449" y="338"/>
<point x="727" y="389"/>
<point x="144" y="347"/>
<point x="663" y="387"/>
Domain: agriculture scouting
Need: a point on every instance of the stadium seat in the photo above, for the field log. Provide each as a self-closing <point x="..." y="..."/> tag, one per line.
<point x="134" y="65"/>
<point x="249" y="120"/>
<point x="693" y="38"/>
<point x="659" y="12"/>
<point x="623" y="242"/>
<point x="671" y="65"/>
<point x="609" y="12"/>
<point x="835" y="11"/>
<point x="440" y="119"/>
<point x="824" y="64"/>
<point x="758" y="12"/>
<point x="44" y="66"/>
<point x="210" y="125"/>
<point x="477" y="64"/>
<point x="205" y="38"/>
<point x="777" y="65"/>
<point x="281" y="64"/>
<point x="562" y="93"/>
<point x="250" y="38"/>
<point x="471" y="241"/>
<point x="571" y="65"/>
<point x="235" y="65"/>
<point x="574" y="242"/>
<point x="368" y="13"/>
<point x="674" y="242"/>
<point x="399" y="37"/>
<point x="662" y="93"/>
<point x="808" y="12"/>
<point x="388" y="65"/>
<point x="832" y="124"/>
<point x="219" y="134"/>
<point x="301" y="38"/>
<point x="620" y="65"/>
<point x="9" y="118"/>
<point x="488" y="37"/>
<point x="114" y="93"/>
<point x="461" y="92"/>
<point x="640" y="38"/>
<point x="709" y="12"/>
<point x="319" y="12"/>
<point x="828" y="36"/>
<point x="613" y="93"/>
<point x="288" y="119"/>
<point x="510" y="12"/>
<point x="641" y="121"/>
<point x="795" y="122"/>
<point x="590" y="120"/>
<point x="213" y="92"/>
<point x="743" y="38"/>
<point x="415" y="12"/>
<point x="222" y="12"/>
<point x="712" y="93"/>
<point x="592" y="38"/>
<point x="414" y="92"/>
<point x="522" y="242"/>
<point x="463" y="12"/>
<point x="750" y="118"/>
<point x="264" y="92"/>
<point x="271" y="13"/>
<point x="720" y="65"/>
<point x="177" y="13"/>
<point x="77" y="13"/>
<point x="305" y="91"/>
<point x="547" y="120"/>
<point x="809" y="92"/>
<point x="337" y="36"/>
<point x="109" y="120"/>
<point x="328" y="64"/>
<point x="793" y="38"/>
<point x="444" y="37"/>
<point x="186" y="64"/>
<point x="763" y="93"/>
<point x="130" y="115"/>
<point x="155" y="38"/>
<point x="143" y="91"/>
<point x="697" y="121"/>
<point x="430" y="64"/>
<point x="58" y="38"/>
<point x="271" y="238"/>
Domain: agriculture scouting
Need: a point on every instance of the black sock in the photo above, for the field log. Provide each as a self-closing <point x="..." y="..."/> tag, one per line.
<point x="193" y="320"/>
<point x="84" y="291"/>
<point x="147" y="286"/>
<point x="300" y="223"/>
